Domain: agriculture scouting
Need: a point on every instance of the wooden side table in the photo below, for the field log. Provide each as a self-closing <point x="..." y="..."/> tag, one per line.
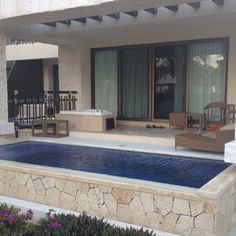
<point x="56" y="128"/>
<point x="193" y="121"/>
<point x="177" y="119"/>
<point x="51" y="128"/>
<point x="40" y="125"/>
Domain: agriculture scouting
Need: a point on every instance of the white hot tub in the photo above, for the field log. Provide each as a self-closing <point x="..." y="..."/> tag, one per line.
<point x="89" y="112"/>
<point x="88" y="120"/>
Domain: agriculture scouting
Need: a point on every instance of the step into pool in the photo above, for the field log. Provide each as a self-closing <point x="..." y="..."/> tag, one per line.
<point x="176" y="170"/>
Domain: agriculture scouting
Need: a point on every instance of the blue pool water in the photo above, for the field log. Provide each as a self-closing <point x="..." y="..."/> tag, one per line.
<point x="190" y="172"/>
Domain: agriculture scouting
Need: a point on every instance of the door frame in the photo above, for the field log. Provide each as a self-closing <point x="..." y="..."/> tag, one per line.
<point x="151" y="47"/>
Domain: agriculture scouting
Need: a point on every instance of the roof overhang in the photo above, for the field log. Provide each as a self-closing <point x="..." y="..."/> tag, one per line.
<point x="43" y="10"/>
<point x="62" y="24"/>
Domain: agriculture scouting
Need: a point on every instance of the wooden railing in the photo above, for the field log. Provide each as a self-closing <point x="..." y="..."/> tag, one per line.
<point x="25" y="106"/>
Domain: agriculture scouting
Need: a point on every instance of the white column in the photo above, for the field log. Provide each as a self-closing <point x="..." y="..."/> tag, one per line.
<point x="235" y="126"/>
<point x="230" y="150"/>
<point x="5" y="127"/>
<point x="74" y="72"/>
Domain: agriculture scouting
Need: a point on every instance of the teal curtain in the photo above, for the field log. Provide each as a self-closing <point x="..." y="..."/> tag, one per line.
<point x="206" y="76"/>
<point x="105" y="71"/>
<point x="134" y="83"/>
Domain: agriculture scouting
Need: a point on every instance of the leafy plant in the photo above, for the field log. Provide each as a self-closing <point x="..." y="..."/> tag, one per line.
<point x="84" y="225"/>
<point x="13" y="223"/>
<point x="46" y="226"/>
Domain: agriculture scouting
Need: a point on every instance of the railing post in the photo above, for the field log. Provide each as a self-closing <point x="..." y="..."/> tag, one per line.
<point x="45" y="101"/>
<point x="15" y="106"/>
<point x="69" y="99"/>
<point x="73" y="103"/>
<point x="16" y="128"/>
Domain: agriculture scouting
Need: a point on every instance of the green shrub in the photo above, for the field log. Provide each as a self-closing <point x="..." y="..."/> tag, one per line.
<point x="91" y="226"/>
<point x="13" y="223"/>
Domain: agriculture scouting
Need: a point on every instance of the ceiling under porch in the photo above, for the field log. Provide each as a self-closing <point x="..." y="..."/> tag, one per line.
<point x="126" y="18"/>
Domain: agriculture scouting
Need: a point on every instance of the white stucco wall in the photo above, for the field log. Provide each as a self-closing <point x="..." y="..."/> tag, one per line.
<point x="75" y="68"/>
<point x="183" y="35"/>
<point x="31" y="51"/>
<point x="210" y="21"/>
<point x="48" y="73"/>
<point x="74" y="72"/>
<point x="5" y="127"/>
<point x="3" y="81"/>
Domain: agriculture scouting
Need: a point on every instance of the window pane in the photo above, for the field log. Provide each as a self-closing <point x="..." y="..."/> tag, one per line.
<point x="206" y="74"/>
<point x="169" y="92"/>
<point x="134" y="80"/>
<point x="106" y="80"/>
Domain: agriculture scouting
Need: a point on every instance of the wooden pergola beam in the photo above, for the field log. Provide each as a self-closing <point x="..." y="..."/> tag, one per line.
<point x="114" y="16"/>
<point x="96" y="18"/>
<point x="81" y="20"/>
<point x="152" y="11"/>
<point x="219" y="2"/>
<point x="195" y="5"/>
<point x="65" y="22"/>
<point x="132" y="13"/>
<point x="52" y="24"/>
<point x="173" y="8"/>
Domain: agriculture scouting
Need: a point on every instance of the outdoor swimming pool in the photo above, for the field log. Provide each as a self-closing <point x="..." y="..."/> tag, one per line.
<point x="190" y="172"/>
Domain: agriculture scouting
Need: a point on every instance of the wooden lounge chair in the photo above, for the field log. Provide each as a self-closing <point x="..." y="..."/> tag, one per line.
<point x="203" y="143"/>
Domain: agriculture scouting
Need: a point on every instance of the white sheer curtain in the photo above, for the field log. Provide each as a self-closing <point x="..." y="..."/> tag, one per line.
<point x="180" y="60"/>
<point x="106" y="80"/>
<point x="206" y="74"/>
<point x="134" y="77"/>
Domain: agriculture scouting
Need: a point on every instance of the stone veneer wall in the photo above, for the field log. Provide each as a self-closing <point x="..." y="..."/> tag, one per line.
<point x="225" y="211"/>
<point x="171" y="211"/>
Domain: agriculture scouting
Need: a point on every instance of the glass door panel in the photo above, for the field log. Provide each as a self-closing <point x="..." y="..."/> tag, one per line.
<point x="105" y="76"/>
<point x="134" y="83"/>
<point x="207" y="62"/>
<point x="169" y="81"/>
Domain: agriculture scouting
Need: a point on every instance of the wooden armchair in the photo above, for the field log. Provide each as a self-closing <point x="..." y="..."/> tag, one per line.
<point x="230" y="114"/>
<point x="214" y="114"/>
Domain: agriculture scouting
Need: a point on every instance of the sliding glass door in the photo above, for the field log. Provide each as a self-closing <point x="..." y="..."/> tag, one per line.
<point x="182" y="77"/>
<point x="134" y="83"/>
<point x="206" y="74"/>
<point x="169" y="81"/>
<point x="105" y="78"/>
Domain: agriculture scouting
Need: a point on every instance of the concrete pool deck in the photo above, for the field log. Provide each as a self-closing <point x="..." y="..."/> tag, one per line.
<point x="161" y="144"/>
<point x="170" y="208"/>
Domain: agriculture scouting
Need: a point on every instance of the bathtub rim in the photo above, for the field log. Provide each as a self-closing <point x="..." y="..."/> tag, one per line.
<point x="87" y="112"/>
